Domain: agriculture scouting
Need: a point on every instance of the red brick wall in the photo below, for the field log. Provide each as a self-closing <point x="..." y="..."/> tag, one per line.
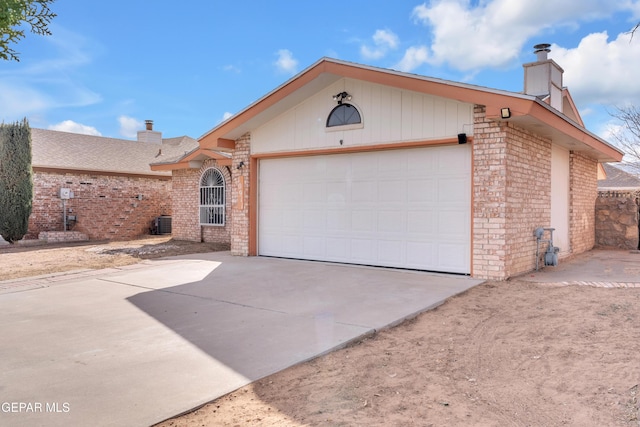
<point x="107" y="207"/>
<point x="186" y="202"/>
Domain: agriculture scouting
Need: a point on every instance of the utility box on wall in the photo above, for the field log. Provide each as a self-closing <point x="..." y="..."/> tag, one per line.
<point x="66" y="193"/>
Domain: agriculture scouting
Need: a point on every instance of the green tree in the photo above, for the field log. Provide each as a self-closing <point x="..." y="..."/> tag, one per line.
<point x="16" y="182"/>
<point x="15" y="15"/>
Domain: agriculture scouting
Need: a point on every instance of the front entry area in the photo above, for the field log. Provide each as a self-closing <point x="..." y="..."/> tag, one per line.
<point x="406" y="208"/>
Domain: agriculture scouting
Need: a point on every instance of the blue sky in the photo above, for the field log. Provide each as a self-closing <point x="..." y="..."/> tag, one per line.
<point x="109" y="65"/>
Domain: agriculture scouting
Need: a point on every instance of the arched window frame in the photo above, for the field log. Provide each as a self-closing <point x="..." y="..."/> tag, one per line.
<point x="212" y="197"/>
<point x="344" y="126"/>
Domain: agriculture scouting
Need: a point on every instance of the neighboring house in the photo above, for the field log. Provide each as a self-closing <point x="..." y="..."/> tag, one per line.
<point x="617" y="179"/>
<point x="115" y="193"/>
<point x="363" y="165"/>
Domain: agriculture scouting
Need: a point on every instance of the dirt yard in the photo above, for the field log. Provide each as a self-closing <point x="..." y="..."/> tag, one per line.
<point x="503" y="353"/>
<point x="28" y="260"/>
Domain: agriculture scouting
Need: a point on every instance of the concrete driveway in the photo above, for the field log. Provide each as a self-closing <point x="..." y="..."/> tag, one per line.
<point x="137" y="345"/>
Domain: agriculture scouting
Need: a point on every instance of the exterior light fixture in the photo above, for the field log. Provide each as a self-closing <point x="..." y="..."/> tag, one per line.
<point x="341" y="96"/>
<point x="240" y="165"/>
<point x="505" y="113"/>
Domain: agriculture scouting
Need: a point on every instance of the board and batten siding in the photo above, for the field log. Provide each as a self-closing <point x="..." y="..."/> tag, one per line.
<point x="389" y="115"/>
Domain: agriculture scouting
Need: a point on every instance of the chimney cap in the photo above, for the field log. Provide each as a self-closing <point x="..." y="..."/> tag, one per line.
<point x="541" y="51"/>
<point x="149" y="124"/>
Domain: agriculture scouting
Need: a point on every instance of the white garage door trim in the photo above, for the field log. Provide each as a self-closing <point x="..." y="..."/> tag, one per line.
<point x="404" y="208"/>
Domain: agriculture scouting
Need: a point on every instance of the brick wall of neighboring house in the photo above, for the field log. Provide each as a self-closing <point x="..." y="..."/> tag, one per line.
<point x="583" y="185"/>
<point x="617" y="219"/>
<point x="186" y="202"/>
<point x="511" y="197"/>
<point x="106" y="206"/>
<point x="240" y="228"/>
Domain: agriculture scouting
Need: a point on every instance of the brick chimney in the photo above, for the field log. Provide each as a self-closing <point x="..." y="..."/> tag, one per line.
<point x="149" y="135"/>
<point x="543" y="78"/>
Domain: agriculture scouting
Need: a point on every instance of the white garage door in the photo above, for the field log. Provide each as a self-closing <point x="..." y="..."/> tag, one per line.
<point x="407" y="208"/>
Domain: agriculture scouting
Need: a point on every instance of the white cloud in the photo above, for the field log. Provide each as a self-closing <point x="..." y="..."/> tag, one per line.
<point x="384" y="40"/>
<point x="492" y="33"/>
<point x="286" y="62"/>
<point x="130" y="126"/>
<point x="226" y="115"/>
<point x="413" y="58"/>
<point x="73" y="127"/>
<point x="600" y="70"/>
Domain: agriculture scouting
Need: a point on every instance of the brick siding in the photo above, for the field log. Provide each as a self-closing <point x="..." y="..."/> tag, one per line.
<point x="582" y="208"/>
<point x="186" y="206"/>
<point x="240" y="227"/>
<point x="107" y="207"/>
<point x="511" y="197"/>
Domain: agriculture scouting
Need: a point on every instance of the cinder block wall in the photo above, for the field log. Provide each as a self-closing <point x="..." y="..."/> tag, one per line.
<point x="186" y="202"/>
<point x="107" y="207"/>
<point x="584" y="191"/>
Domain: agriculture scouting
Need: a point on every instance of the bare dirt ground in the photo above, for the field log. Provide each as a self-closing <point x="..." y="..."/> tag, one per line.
<point x="501" y="354"/>
<point x="504" y="353"/>
<point x="17" y="261"/>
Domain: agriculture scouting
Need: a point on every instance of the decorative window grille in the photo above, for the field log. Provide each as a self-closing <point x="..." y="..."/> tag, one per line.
<point x="212" y="197"/>
<point x="344" y="114"/>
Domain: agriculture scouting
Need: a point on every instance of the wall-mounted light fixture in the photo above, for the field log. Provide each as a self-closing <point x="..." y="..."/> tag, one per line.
<point x="342" y="96"/>
<point x="240" y="165"/>
<point x="462" y="138"/>
<point x="505" y="113"/>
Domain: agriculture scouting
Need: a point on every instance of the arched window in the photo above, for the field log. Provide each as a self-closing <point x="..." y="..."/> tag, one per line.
<point x="344" y="114"/>
<point x="212" y="197"/>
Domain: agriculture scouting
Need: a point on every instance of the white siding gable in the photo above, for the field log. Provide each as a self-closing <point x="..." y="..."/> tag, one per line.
<point x="389" y="115"/>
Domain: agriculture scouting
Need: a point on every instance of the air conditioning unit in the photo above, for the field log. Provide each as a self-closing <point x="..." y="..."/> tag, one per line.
<point x="162" y="225"/>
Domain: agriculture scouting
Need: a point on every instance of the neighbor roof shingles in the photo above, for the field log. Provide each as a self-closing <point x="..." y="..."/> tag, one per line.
<point x="64" y="150"/>
<point x="618" y="179"/>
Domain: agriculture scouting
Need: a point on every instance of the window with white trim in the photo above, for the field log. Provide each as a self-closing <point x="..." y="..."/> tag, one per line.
<point x="212" y="197"/>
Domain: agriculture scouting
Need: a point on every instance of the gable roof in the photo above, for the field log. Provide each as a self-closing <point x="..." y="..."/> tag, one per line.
<point x="618" y="179"/>
<point x="527" y="111"/>
<point x="86" y="153"/>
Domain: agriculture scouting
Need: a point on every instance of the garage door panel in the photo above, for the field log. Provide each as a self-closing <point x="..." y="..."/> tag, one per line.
<point x="450" y="188"/>
<point x="364" y="251"/>
<point x="394" y="208"/>
<point x="422" y="190"/>
<point x="313" y="246"/>
<point x="452" y="225"/>
<point x="338" y="221"/>
<point x="420" y="253"/>
<point x="392" y="222"/>
<point x="454" y="257"/>
<point x="390" y="252"/>
<point x="364" y="220"/>
<point x="314" y="192"/>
